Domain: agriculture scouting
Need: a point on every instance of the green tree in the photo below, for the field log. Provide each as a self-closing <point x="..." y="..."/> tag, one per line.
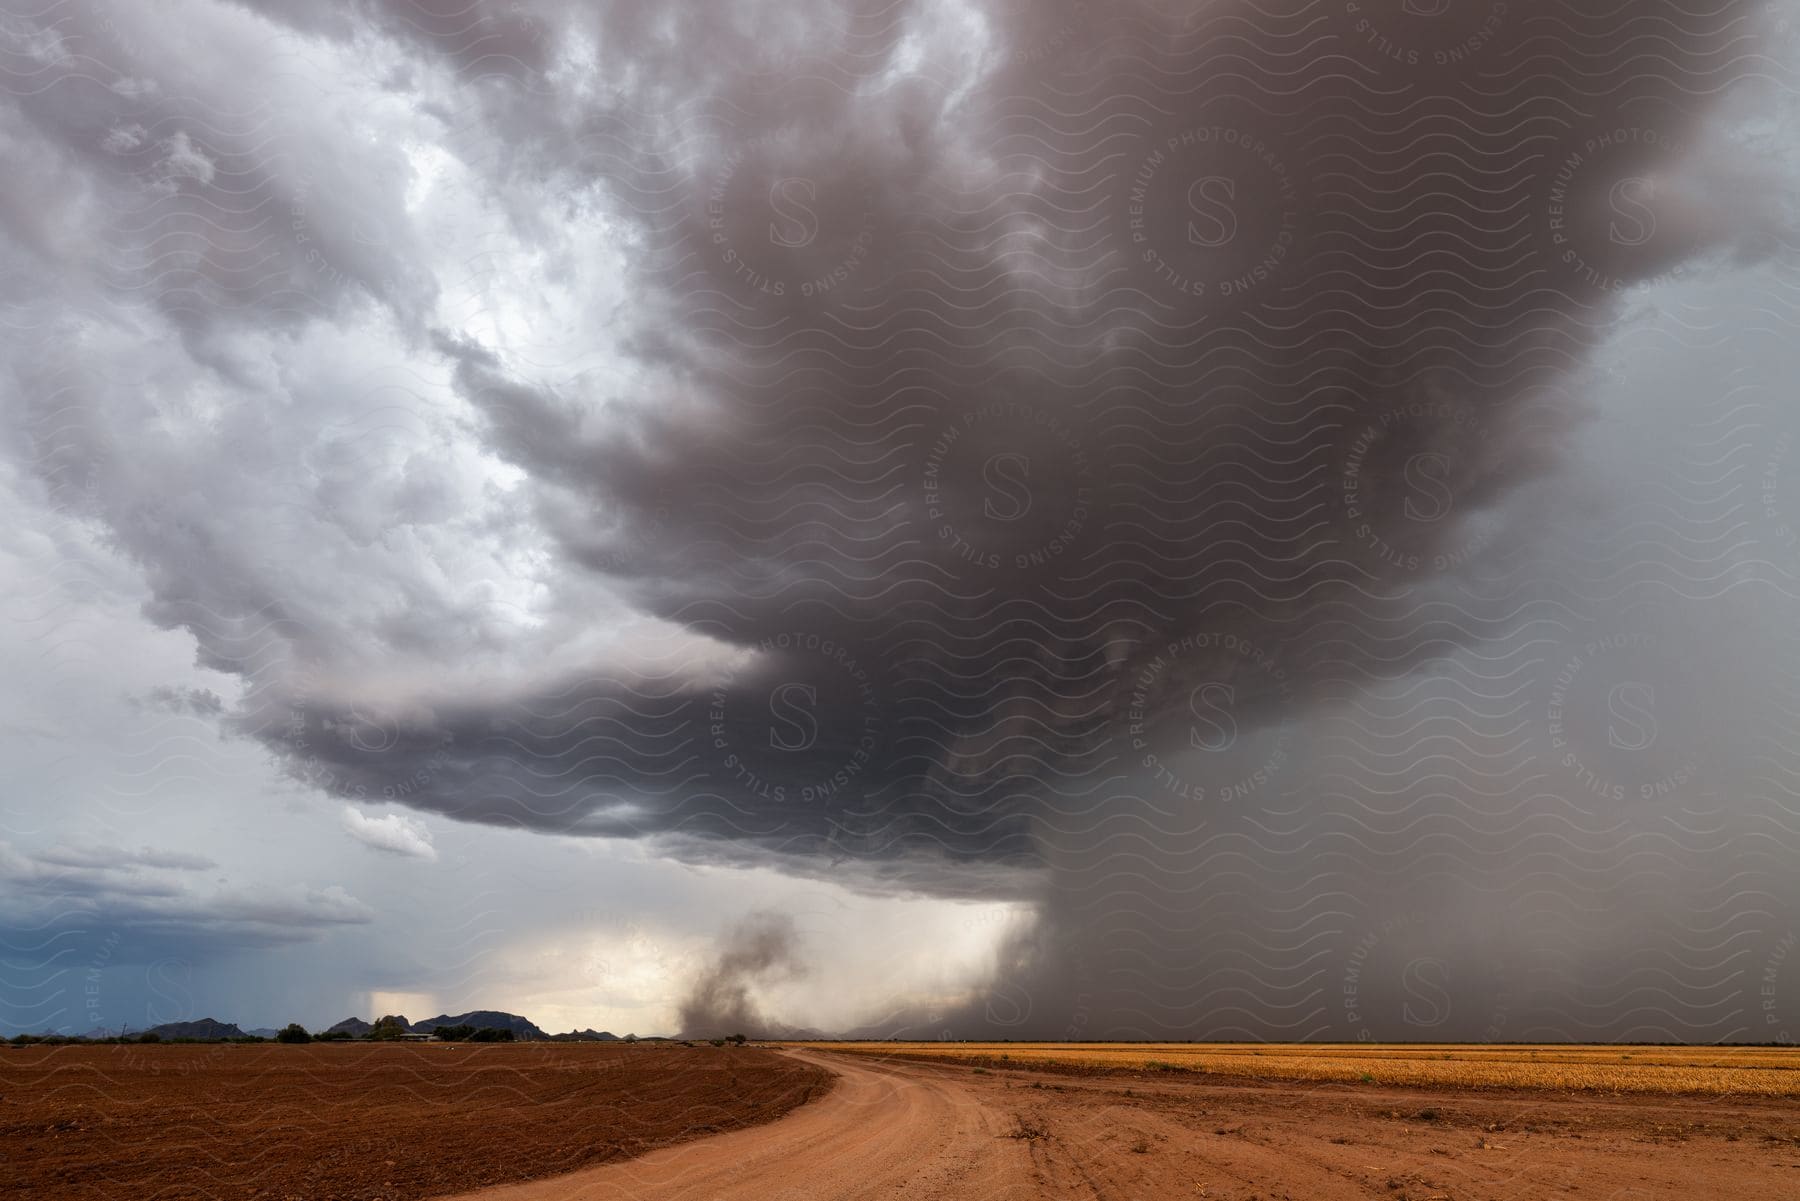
<point x="293" y="1032"/>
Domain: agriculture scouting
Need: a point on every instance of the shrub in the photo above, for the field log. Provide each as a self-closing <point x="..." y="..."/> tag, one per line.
<point x="487" y="1034"/>
<point x="293" y="1032"/>
<point x="455" y="1034"/>
<point x="149" y="1036"/>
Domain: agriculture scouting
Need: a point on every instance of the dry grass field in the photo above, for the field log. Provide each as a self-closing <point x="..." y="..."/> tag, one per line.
<point x="1707" y="1071"/>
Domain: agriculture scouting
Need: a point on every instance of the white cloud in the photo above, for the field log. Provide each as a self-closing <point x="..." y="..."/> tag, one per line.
<point x="395" y="833"/>
<point x="124" y="138"/>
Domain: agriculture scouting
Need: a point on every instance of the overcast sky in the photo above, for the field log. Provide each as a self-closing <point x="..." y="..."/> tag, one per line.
<point x="1148" y="519"/>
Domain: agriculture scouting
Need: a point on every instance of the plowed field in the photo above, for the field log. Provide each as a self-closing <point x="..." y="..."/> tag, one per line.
<point x="358" y="1122"/>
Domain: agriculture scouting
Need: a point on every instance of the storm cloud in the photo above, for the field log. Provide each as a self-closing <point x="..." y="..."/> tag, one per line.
<point x="1093" y="455"/>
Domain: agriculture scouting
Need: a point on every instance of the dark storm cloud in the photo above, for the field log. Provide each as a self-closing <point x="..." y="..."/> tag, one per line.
<point x="998" y="424"/>
<point x="66" y="901"/>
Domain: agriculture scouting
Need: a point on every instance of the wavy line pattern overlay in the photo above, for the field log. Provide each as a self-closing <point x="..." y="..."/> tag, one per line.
<point x="1299" y="495"/>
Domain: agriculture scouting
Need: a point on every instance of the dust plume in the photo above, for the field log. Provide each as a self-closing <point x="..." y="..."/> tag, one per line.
<point x="763" y="948"/>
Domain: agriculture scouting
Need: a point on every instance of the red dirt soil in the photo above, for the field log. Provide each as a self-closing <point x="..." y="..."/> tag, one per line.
<point x="903" y="1130"/>
<point x="358" y="1122"/>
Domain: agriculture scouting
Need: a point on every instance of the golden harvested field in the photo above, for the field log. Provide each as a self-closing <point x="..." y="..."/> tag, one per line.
<point x="1713" y="1071"/>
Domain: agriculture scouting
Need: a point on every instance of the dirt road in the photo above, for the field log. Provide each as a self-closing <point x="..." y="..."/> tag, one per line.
<point x="892" y="1130"/>
<point x="925" y="1132"/>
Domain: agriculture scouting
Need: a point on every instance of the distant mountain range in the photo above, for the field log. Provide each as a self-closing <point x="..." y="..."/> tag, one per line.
<point x="205" y="1028"/>
<point x="523" y="1029"/>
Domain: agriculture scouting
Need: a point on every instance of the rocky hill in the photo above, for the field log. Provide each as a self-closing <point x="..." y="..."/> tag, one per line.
<point x="522" y="1028"/>
<point x="203" y="1028"/>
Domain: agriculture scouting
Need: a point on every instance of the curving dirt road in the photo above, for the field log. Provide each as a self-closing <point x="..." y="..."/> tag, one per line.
<point x="927" y="1132"/>
<point x="890" y="1130"/>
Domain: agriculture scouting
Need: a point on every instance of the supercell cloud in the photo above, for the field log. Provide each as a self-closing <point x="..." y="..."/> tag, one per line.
<point x="1232" y="476"/>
